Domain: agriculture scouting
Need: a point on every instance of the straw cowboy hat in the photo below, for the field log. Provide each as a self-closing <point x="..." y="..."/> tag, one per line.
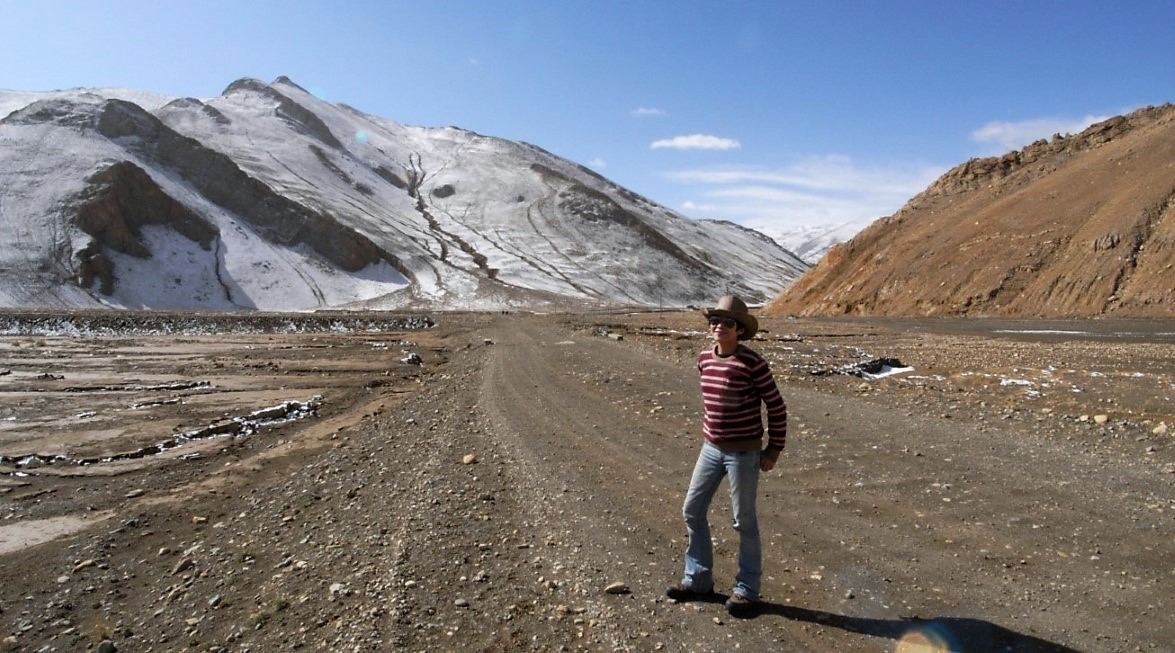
<point x="734" y="308"/>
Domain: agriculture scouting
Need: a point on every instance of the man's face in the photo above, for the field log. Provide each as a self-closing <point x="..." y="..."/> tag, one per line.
<point x="724" y="330"/>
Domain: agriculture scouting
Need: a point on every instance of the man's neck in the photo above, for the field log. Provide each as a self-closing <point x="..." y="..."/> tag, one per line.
<point x="719" y="350"/>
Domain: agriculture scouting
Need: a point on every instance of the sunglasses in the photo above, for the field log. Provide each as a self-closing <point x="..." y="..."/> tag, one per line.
<point x="727" y="322"/>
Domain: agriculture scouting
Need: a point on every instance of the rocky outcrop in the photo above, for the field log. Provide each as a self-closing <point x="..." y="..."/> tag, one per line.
<point x="591" y="205"/>
<point x="296" y="115"/>
<point x="1039" y="159"/>
<point x="123" y="198"/>
<point x="119" y="201"/>
<point x="183" y="105"/>
<point x="1076" y="226"/>
<point x="222" y="182"/>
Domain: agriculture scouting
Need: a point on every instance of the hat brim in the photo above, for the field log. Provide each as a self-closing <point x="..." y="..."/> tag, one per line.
<point x="748" y="321"/>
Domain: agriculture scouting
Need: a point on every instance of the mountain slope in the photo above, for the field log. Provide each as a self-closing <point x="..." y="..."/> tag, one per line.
<point x="1077" y="226"/>
<point x="268" y="197"/>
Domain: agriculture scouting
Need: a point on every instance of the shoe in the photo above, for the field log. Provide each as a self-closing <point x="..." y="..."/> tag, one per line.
<point x="740" y="606"/>
<point x="680" y="592"/>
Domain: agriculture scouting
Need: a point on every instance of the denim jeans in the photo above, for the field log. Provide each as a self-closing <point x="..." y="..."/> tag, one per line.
<point x="743" y="469"/>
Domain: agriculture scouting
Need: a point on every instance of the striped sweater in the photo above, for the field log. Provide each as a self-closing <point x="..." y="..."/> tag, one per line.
<point x="732" y="389"/>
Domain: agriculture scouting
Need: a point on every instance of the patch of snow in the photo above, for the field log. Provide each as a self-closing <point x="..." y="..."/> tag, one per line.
<point x="886" y="371"/>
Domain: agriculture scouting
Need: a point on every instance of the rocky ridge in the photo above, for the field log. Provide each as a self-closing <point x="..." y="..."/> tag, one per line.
<point x="1077" y="226"/>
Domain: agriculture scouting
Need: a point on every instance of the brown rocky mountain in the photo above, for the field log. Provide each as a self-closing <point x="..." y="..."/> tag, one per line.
<point x="1077" y="226"/>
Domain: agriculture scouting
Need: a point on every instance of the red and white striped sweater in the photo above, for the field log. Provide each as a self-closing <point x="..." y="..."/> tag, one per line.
<point x="732" y="388"/>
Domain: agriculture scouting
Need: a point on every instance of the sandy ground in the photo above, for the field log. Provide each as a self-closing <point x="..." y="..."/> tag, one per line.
<point x="217" y="490"/>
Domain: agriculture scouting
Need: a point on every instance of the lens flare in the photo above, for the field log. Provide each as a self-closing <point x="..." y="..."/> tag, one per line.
<point x="361" y="137"/>
<point x="926" y="638"/>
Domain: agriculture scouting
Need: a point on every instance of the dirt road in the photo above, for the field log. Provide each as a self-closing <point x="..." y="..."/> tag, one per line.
<point x="489" y="503"/>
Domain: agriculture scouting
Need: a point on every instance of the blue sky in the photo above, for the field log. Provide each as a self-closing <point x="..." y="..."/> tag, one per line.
<point x="770" y="114"/>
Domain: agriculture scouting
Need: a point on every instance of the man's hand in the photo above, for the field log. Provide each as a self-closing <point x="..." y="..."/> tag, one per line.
<point x="767" y="460"/>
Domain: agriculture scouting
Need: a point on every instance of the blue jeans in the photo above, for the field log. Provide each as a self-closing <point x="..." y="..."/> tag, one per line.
<point x="743" y="469"/>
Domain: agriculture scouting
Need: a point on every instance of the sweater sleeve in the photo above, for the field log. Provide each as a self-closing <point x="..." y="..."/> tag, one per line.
<point x="776" y="408"/>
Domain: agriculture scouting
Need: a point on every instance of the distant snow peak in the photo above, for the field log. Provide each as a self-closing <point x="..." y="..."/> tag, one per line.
<point x="811" y="242"/>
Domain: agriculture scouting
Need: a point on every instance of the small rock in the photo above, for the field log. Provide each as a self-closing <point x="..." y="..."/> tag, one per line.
<point x="1101" y="419"/>
<point x="469" y="459"/>
<point x="1161" y="429"/>
<point x="135" y="493"/>
<point x="617" y="588"/>
<point x="461" y="603"/>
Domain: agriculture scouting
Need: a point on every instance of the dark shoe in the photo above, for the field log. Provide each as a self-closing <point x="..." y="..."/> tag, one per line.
<point x="680" y="592"/>
<point x="740" y="606"/>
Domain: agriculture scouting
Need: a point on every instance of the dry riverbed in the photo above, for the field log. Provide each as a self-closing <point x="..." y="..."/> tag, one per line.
<point x="513" y="482"/>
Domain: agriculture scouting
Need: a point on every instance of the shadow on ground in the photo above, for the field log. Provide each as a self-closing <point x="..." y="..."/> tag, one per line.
<point x="955" y="634"/>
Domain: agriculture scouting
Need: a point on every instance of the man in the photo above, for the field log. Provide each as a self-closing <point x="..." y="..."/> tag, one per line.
<point x="735" y="381"/>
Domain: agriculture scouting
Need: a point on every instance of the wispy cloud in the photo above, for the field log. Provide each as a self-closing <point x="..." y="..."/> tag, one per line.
<point x="646" y="112"/>
<point x="1016" y="135"/>
<point x="696" y="142"/>
<point x="597" y="164"/>
<point x="827" y="190"/>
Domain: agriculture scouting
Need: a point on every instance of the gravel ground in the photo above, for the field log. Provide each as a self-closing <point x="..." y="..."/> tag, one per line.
<point x="521" y="488"/>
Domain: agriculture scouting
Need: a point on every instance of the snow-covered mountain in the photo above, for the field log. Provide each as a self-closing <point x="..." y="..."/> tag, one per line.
<point x="811" y="242"/>
<point x="267" y="197"/>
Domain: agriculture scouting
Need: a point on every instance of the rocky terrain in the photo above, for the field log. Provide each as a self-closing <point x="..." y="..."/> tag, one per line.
<point x="1078" y="226"/>
<point x="507" y="482"/>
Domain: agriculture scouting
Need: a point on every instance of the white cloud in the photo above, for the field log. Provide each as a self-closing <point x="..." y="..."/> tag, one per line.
<point x="1016" y="135"/>
<point x="696" y="142"/>
<point x="646" y="112"/>
<point x="828" y="190"/>
<point x="822" y="173"/>
<point x="597" y="163"/>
